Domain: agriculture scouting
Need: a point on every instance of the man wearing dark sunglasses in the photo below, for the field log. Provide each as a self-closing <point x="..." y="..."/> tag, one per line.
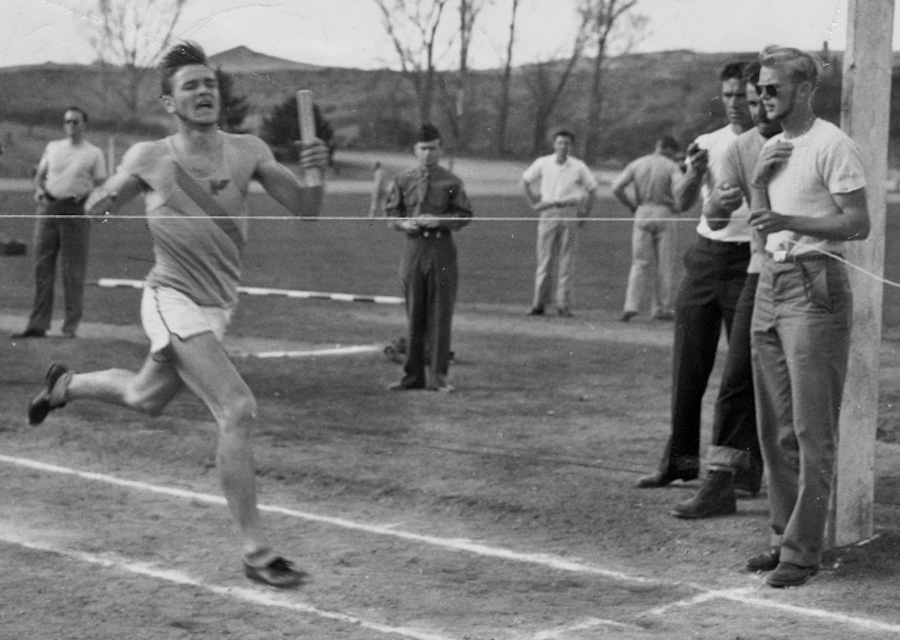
<point x="68" y="171"/>
<point x="800" y="332"/>
<point x="715" y="271"/>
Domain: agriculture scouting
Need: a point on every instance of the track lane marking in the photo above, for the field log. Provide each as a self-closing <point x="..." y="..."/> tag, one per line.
<point x="258" y="596"/>
<point x="740" y="595"/>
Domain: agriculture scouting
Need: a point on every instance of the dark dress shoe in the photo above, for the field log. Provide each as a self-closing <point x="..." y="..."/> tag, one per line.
<point x="660" y="479"/>
<point x="765" y="561"/>
<point x="788" y="574"/>
<point x="747" y="483"/>
<point x="536" y="311"/>
<point x="627" y="316"/>
<point x="715" y="498"/>
<point x="565" y="312"/>
<point x="30" y="333"/>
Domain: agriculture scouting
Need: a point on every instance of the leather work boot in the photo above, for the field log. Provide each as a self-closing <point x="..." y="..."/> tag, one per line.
<point x="715" y="498"/>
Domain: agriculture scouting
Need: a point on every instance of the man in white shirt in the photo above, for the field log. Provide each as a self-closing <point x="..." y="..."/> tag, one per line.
<point x="800" y="332"/>
<point x="563" y="198"/>
<point x="715" y="271"/>
<point x="68" y="171"/>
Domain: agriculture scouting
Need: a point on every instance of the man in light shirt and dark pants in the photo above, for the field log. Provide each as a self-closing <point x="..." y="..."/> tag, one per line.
<point x="563" y="199"/>
<point x="715" y="271"/>
<point x="66" y="174"/>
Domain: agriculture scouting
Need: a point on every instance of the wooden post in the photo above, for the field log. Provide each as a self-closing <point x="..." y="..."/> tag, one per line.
<point x="865" y="109"/>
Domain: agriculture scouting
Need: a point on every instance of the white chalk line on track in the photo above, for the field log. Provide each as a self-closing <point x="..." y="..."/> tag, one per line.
<point x="264" y="291"/>
<point x="253" y="596"/>
<point x="311" y="353"/>
<point x="742" y="595"/>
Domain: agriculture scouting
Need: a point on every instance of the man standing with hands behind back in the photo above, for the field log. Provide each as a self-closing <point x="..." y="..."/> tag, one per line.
<point x="66" y="174"/>
<point x="653" y="177"/>
<point x="567" y="190"/>
<point x="428" y="203"/>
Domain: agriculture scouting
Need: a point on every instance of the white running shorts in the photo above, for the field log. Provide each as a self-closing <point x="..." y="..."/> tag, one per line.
<point x="166" y="312"/>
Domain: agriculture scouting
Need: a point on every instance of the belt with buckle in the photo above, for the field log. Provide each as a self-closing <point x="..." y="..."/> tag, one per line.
<point x="783" y="256"/>
<point x="431" y="233"/>
<point x="69" y="200"/>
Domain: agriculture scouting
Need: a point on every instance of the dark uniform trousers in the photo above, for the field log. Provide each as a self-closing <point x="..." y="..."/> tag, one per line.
<point x="429" y="276"/>
<point x="715" y="273"/>
<point x="62" y="230"/>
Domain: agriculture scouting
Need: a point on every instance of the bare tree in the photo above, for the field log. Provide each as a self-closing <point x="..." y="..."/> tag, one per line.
<point x="413" y="27"/>
<point x="456" y="97"/>
<point x="546" y="84"/>
<point x="468" y="14"/>
<point x="132" y="35"/>
<point x="605" y="24"/>
<point x="503" y="109"/>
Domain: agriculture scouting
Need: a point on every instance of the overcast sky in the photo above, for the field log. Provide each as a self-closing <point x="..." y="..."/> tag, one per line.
<point x="350" y="32"/>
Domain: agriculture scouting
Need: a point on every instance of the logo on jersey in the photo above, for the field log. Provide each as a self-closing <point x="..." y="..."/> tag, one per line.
<point x="215" y="186"/>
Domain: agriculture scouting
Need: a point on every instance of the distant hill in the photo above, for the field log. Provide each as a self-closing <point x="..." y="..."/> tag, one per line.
<point x="646" y="96"/>
<point x="244" y="60"/>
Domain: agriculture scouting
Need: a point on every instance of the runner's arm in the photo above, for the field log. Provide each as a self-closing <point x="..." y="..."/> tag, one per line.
<point x="280" y="183"/>
<point x="113" y="194"/>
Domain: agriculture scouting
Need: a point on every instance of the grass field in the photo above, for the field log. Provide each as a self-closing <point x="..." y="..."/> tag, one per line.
<point x="504" y="511"/>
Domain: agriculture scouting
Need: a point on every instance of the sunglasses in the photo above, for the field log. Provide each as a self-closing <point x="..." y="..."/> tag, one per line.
<point x="73" y="122"/>
<point x="768" y="90"/>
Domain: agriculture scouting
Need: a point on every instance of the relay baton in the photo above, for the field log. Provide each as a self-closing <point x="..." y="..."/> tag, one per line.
<point x="313" y="177"/>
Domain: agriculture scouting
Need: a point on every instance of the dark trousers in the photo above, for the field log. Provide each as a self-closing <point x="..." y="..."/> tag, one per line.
<point x="707" y="298"/>
<point x="735" y="439"/>
<point x="429" y="275"/>
<point x="62" y="231"/>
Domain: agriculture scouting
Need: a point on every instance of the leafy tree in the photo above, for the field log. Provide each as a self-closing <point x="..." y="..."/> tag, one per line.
<point x="234" y="108"/>
<point x="281" y="128"/>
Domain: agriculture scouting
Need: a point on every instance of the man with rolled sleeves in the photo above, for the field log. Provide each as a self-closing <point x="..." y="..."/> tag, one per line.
<point x="428" y="203"/>
<point x="68" y="171"/>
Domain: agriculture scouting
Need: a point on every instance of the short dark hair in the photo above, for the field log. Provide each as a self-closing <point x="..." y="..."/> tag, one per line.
<point x="668" y="142"/>
<point x="180" y="55"/>
<point x="751" y="72"/>
<point x="84" y="115"/>
<point x="427" y="132"/>
<point x="733" y="70"/>
<point x="565" y="133"/>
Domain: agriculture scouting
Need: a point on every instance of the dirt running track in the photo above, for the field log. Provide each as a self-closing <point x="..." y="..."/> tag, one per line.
<point x="427" y="517"/>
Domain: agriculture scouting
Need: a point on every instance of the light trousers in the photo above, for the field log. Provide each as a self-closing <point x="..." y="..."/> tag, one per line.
<point x="556" y="239"/>
<point x="800" y="340"/>
<point x="652" y="260"/>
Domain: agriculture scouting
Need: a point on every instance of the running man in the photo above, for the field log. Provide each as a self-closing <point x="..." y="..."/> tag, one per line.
<point x="195" y="185"/>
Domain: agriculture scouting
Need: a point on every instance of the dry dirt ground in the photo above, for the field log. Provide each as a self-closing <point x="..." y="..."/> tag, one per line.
<point x="503" y="511"/>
